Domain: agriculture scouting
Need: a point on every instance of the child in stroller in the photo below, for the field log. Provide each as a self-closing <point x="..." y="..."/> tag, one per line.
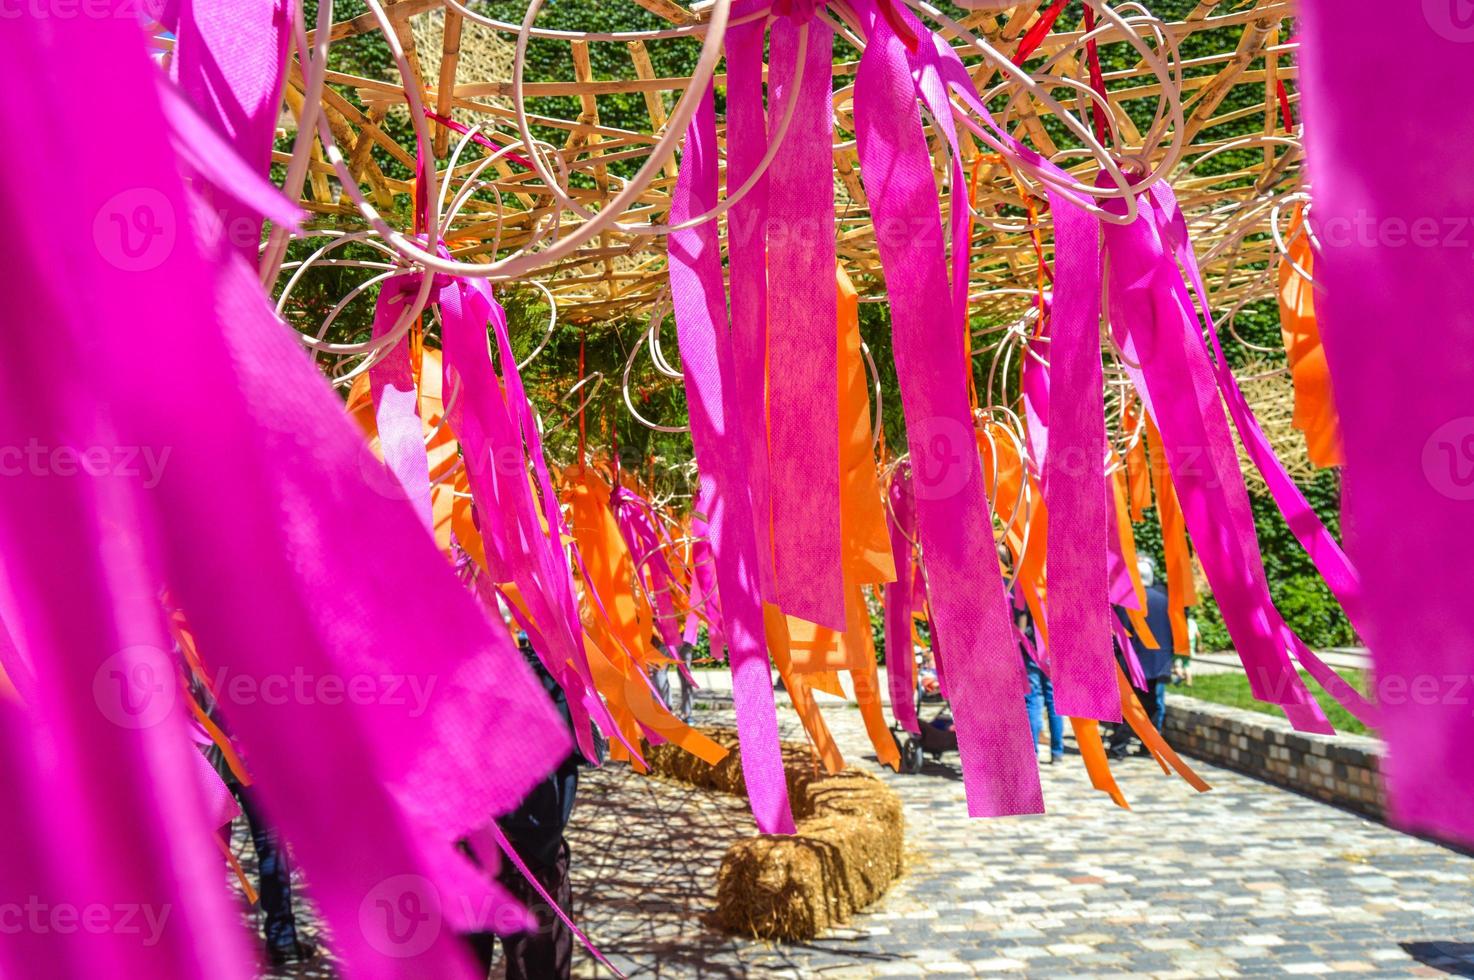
<point x="937" y="735"/>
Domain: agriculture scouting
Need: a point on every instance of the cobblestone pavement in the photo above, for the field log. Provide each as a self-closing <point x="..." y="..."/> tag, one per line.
<point x="1244" y="880"/>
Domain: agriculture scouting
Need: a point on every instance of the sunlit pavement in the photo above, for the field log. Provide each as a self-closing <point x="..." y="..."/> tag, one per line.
<point x="1247" y="879"/>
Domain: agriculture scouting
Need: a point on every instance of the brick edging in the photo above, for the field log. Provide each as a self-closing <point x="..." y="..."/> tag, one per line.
<point x="1340" y="769"/>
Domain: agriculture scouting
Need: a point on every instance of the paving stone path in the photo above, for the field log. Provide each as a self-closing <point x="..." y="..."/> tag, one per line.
<point x="1247" y="879"/>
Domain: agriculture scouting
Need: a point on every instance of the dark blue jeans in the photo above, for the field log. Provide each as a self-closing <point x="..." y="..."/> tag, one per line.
<point x="1153" y="702"/>
<point x="1040" y="700"/>
<point x="273" y="872"/>
<point x="1158" y="687"/>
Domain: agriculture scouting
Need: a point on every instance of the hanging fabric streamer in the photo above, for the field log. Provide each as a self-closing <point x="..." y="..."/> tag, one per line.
<point x="1181" y="592"/>
<point x="1152" y="316"/>
<point x="1315" y="408"/>
<point x="264" y="486"/>
<point x="1329" y="560"/>
<point x="1078" y="611"/>
<point x="747" y="224"/>
<point x="984" y="673"/>
<point x="716" y="427"/>
<point x="803" y="399"/>
<point x="900" y="662"/>
<point x="230" y="63"/>
<point x="1418" y="459"/>
<point x="396" y="401"/>
<point x="617" y="622"/>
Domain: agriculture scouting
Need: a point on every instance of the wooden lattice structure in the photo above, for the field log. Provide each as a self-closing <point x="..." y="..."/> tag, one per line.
<point x="1231" y="160"/>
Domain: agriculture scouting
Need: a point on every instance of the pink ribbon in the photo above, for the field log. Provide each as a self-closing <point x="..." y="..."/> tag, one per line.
<point x="803" y="355"/>
<point x="985" y="674"/>
<point x="747" y="229"/>
<point x="1081" y="523"/>
<point x="1396" y="303"/>
<point x="900" y="659"/>
<point x="1152" y="314"/>
<point x="493" y="422"/>
<point x="1329" y="560"/>
<point x="229" y="61"/>
<point x="647" y="542"/>
<point x="716" y="434"/>
<point x="248" y="524"/>
<point x="397" y="401"/>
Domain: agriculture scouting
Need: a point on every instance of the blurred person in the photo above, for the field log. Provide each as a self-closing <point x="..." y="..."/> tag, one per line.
<point x="1156" y="664"/>
<point x="1182" y="663"/>
<point x="1040" y="699"/>
<point x="535" y="830"/>
<point x="660" y="679"/>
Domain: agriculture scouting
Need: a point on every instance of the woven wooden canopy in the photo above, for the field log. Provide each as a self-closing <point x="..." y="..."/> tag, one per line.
<point x="1228" y="154"/>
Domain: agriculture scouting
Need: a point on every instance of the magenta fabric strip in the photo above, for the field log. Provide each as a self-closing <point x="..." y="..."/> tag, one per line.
<point x="1036" y="404"/>
<point x="704" y="594"/>
<point x="13" y="661"/>
<point x="397" y="402"/>
<point x="900" y="659"/>
<point x="716" y="435"/>
<point x="249" y="524"/>
<point x="1128" y="655"/>
<point x="1151" y="310"/>
<point x="215" y="163"/>
<point x="1120" y="589"/>
<point x="500" y="842"/>
<point x="985" y="673"/>
<point x="498" y="439"/>
<point x="1329" y="560"/>
<point x="640" y="529"/>
<point x="230" y="61"/>
<point x="1397" y="317"/>
<point x="747" y="265"/>
<point x="102" y="731"/>
<point x="803" y="352"/>
<point x="939" y="661"/>
<point x="1077" y="610"/>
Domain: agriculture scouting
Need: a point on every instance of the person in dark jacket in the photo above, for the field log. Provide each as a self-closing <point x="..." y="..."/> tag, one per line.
<point x="535" y="831"/>
<point x="1156" y="664"/>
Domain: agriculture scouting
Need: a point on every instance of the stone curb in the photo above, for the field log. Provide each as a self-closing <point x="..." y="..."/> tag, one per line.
<point x="1340" y="769"/>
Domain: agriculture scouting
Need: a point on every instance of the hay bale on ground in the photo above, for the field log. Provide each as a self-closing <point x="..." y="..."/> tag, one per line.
<point x="846" y="853"/>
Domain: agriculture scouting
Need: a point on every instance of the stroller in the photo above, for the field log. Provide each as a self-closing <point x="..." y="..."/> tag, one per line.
<point x="937" y="735"/>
